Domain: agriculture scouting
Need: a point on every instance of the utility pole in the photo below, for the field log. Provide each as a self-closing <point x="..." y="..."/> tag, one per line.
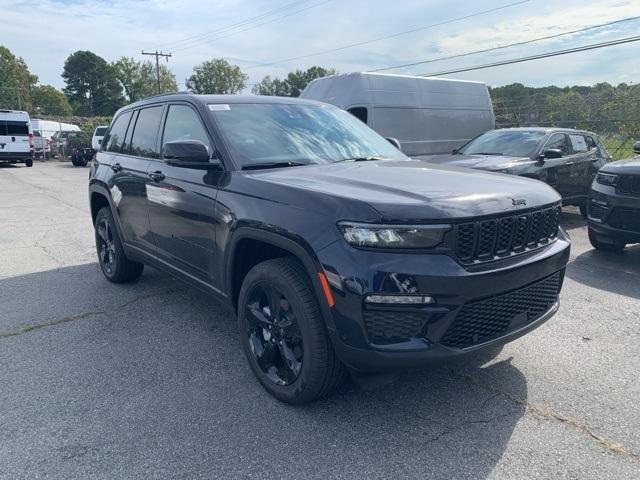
<point x="157" y="55"/>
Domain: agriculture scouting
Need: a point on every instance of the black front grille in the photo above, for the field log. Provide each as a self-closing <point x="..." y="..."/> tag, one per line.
<point x="629" y="184"/>
<point x="483" y="320"/>
<point x="389" y="325"/>
<point x="625" y="219"/>
<point x="497" y="238"/>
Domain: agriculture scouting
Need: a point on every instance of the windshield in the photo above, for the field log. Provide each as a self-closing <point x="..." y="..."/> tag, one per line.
<point x="514" y="143"/>
<point x="274" y="133"/>
<point x="100" y="131"/>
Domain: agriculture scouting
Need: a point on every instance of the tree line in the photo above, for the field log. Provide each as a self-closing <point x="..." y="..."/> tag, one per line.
<point x="95" y="87"/>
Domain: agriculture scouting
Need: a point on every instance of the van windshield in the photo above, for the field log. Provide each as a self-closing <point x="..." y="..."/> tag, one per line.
<point x="295" y="134"/>
<point x="513" y="143"/>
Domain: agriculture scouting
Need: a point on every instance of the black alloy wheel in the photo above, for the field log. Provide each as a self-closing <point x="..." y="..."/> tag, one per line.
<point x="274" y="335"/>
<point x="106" y="246"/>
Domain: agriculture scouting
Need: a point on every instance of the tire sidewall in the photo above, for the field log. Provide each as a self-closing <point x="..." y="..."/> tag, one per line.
<point x="297" y="390"/>
<point x="102" y="214"/>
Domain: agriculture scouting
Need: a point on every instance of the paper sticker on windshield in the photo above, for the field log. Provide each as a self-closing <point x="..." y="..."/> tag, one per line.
<point x="218" y="107"/>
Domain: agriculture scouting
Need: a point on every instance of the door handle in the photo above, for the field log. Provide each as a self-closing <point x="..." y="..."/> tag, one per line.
<point x="156" y="176"/>
<point x="116" y="167"/>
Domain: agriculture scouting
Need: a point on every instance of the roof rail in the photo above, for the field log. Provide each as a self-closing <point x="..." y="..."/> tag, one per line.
<point x="166" y="94"/>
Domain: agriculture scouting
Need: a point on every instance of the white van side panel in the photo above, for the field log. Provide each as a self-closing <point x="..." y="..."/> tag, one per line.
<point x="427" y="115"/>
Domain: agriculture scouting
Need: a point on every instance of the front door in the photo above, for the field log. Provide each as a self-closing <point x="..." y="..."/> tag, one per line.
<point x="182" y="201"/>
<point x="559" y="172"/>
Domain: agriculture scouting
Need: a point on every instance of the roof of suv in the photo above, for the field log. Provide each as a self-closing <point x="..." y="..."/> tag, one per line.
<point x="229" y="99"/>
<point x="547" y="130"/>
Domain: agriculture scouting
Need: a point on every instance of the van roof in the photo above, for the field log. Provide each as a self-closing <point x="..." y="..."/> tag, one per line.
<point x="390" y="90"/>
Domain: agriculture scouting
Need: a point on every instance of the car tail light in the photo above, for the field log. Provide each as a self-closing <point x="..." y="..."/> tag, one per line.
<point x="31" y="140"/>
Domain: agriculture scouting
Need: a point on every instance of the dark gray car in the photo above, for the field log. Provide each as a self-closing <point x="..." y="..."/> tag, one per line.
<point x="566" y="159"/>
<point x="614" y="206"/>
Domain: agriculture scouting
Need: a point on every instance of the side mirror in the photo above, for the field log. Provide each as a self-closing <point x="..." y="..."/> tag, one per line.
<point x="394" y="142"/>
<point x="454" y="151"/>
<point x="552" y="153"/>
<point x="188" y="154"/>
<point x="636" y="148"/>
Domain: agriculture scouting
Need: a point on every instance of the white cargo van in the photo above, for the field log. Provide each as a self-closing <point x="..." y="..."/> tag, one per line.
<point x="44" y="130"/>
<point x="16" y="137"/>
<point x="426" y="115"/>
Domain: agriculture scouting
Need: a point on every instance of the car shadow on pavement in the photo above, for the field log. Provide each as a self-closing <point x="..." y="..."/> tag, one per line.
<point x="616" y="272"/>
<point x="149" y="379"/>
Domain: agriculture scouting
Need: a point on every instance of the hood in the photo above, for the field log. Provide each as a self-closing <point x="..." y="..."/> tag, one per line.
<point x="630" y="165"/>
<point x="413" y="190"/>
<point x="491" y="163"/>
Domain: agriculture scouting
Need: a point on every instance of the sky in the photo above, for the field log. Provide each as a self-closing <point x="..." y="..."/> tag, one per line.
<point x="251" y="33"/>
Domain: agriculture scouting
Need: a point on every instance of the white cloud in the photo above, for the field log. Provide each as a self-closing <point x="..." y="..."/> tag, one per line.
<point x="47" y="31"/>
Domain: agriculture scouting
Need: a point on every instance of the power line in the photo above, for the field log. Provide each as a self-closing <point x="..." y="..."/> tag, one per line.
<point x="158" y="55"/>
<point x="219" y="37"/>
<point x="388" y="37"/>
<point x="230" y="27"/>
<point x="492" y="49"/>
<point x="556" y="53"/>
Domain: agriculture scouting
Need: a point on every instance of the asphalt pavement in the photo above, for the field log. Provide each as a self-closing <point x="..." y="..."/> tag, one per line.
<point x="148" y="380"/>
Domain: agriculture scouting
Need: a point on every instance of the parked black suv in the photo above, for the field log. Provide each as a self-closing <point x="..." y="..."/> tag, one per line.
<point x="614" y="207"/>
<point x="566" y="159"/>
<point x="333" y="247"/>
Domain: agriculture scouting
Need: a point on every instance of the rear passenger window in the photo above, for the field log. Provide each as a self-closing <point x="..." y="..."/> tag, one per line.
<point x="578" y="143"/>
<point x="183" y="123"/>
<point x="17" y="128"/>
<point x="115" y="138"/>
<point x="359" y="112"/>
<point x="145" y="134"/>
<point x="3" y="128"/>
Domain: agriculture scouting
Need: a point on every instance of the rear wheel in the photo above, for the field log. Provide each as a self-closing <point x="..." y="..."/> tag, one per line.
<point x="113" y="262"/>
<point x="283" y="334"/>
<point x="29" y="163"/>
<point x="608" y="244"/>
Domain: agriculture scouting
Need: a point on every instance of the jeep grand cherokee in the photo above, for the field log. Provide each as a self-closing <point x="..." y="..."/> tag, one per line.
<point x="335" y="250"/>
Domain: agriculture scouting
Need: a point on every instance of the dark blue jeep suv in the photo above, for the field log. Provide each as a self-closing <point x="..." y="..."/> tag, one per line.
<point x="336" y="251"/>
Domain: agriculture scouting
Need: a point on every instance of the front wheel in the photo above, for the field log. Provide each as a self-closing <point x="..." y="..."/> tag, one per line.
<point x="29" y="163"/>
<point x="605" y="243"/>
<point x="113" y="262"/>
<point x="583" y="211"/>
<point x="283" y="333"/>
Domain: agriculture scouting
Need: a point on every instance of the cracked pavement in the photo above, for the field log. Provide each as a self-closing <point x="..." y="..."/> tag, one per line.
<point x="148" y="380"/>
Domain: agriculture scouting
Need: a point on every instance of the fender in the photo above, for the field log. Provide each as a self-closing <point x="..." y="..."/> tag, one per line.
<point x="292" y="243"/>
<point x="96" y="186"/>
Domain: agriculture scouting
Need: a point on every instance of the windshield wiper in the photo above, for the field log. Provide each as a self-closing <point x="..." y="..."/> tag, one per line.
<point x="363" y="159"/>
<point x="265" y="165"/>
<point x="485" y="153"/>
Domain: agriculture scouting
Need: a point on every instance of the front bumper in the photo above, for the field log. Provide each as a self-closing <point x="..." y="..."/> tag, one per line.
<point x="614" y="215"/>
<point x="474" y="308"/>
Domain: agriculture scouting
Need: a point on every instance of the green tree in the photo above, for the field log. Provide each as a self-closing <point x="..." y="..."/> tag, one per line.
<point x="271" y="87"/>
<point x="139" y="78"/>
<point x="92" y="87"/>
<point x="15" y="81"/>
<point x="217" y="77"/>
<point x="293" y="84"/>
<point x="299" y="79"/>
<point x="48" y="100"/>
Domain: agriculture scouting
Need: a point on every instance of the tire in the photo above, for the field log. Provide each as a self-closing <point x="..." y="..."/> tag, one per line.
<point x="115" y="265"/>
<point x="583" y="211"/>
<point x="605" y="243"/>
<point x="305" y="367"/>
<point x="74" y="160"/>
<point x="29" y="163"/>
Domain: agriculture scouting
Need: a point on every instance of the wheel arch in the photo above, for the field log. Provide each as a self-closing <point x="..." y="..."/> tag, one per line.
<point x="244" y="252"/>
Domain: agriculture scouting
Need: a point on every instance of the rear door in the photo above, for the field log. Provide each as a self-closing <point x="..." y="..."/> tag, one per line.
<point x="16" y="139"/>
<point x="182" y="201"/>
<point x="129" y="165"/>
<point x="585" y="159"/>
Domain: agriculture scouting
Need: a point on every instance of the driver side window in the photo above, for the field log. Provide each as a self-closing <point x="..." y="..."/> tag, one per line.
<point x="559" y="141"/>
<point x="183" y="123"/>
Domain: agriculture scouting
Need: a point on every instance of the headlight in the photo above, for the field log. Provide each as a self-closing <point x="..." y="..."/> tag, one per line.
<point x="607" y="179"/>
<point x="393" y="236"/>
